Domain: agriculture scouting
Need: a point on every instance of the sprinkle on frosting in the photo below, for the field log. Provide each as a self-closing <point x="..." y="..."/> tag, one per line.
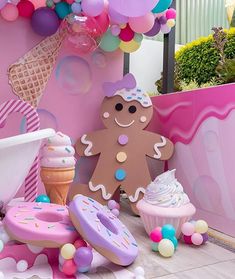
<point x="166" y="191"/>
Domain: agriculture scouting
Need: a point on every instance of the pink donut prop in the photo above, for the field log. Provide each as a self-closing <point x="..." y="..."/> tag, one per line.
<point x="40" y="224"/>
<point x="103" y="230"/>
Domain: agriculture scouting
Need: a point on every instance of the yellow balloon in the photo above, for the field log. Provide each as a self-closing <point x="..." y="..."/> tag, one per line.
<point x="170" y="23"/>
<point x="201" y="226"/>
<point x="129" y="47"/>
<point x="166" y="248"/>
<point x="67" y="251"/>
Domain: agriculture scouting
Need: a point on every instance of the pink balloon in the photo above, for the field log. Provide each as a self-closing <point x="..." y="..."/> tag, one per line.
<point x="171" y="13"/>
<point x="103" y="21"/>
<point x="197" y="239"/>
<point x="126" y="34"/>
<point x="188" y="229"/>
<point x="93" y="8"/>
<point x="38" y="3"/>
<point x="132" y="8"/>
<point x="10" y="12"/>
<point x="115" y="30"/>
<point x="117" y="18"/>
<point x="165" y="29"/>
<point x="142" y="24"/>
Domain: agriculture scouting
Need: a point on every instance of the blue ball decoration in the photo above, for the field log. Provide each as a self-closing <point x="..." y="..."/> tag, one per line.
<point x="63" y="9"/>
<point x="43" y="198"/>
<point x="168" y="231"/>
<point x="162" y="5"/>
<point x="120" y="174"/>
<point x="174" y="241"/>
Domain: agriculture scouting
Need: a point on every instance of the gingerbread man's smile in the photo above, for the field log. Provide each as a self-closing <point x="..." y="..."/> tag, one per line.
<point x="124" y="125"/>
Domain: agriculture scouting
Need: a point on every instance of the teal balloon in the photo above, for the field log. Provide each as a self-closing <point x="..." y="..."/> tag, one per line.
<point x="109" y="42"/>
<point x="174" y="241"/>
<point x="154" y="246"/>
<point x="138" y="38"/>
<point x="168" y="231"/>
<point x="162" y="5"/>
<point x="63" y="9"/>
<point x="43" y="198"/>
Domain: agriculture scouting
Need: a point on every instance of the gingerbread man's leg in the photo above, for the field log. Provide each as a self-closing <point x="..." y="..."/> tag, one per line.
<point x="135" y="185"/>
<point x="101" y="187"/>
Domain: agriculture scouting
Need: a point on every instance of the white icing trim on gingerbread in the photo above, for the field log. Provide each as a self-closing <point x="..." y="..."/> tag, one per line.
<point x="101" y="187"/>
<point x="136" y="196"/>
<point x="124" y="125"/>
<point x="87" y="151"/>
<point x="158" y="154"/>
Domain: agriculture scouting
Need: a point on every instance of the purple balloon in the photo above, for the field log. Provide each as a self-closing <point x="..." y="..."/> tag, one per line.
<point x="45" y="21"/>
<point x="133" y="8"/>
<point x="205" y="237"/>
<point x="2" y="3"/>
<point x="162" y="20"/>
<point x="155" y="30"/>
<point x="116" y="17"/>
<point x="93" y="8"/>
<point x="83" y="257"/>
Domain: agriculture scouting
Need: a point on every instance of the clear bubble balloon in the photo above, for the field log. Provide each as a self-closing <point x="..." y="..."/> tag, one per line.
<point x="73" y="74"/>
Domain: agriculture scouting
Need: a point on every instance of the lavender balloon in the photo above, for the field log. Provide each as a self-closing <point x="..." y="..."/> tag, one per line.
<point x="45" y="21"/>
<point x="93" y="7"/>
<point x="2" y="3"/>
<point x="155" y="30"/>
<point x="117" y="18"/>
<point x="165" y="29"/>
<point x="83" y="257"/>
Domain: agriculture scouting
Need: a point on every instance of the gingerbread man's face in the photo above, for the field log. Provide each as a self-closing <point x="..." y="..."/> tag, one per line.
<point x="118" y="113"/>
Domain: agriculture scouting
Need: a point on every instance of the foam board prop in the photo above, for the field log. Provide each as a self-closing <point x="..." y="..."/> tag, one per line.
<point x="201" y="125"/>
<point x="123" y="145"/>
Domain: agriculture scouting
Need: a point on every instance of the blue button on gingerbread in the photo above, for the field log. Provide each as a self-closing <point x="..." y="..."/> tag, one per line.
<point x="123" y="145"/>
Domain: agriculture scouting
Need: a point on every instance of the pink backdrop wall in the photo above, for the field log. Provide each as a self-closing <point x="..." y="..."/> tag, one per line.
<point x="73" y="94"/>
<point x="201" y="123"/>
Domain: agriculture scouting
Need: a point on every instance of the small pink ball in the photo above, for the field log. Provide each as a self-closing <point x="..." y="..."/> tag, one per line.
<point x="10" y="12"/>
<point x="112" y="204"/>
<point x="171" y="14"/>
<point x="197" y="239"/>
<point x="69" y="267"/>
<point x="70" y="1"/>
<point x="156" y="235"/>
<point x="80" y="243"/>
<point x="115" y="212"/>
<point x="188" y="228"/>
<point x="187" y="239"/>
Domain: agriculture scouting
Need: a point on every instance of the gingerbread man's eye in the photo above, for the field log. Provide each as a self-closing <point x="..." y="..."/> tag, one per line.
<point x="119" y="107"/>
<point x="132" y="109"/>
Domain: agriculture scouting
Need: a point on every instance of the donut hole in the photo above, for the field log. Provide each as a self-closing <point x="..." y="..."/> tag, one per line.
<point x="49" y="217"/>
<point x="105" y="221"/>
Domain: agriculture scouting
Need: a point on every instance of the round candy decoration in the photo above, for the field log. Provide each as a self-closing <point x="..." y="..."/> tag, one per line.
<point x="123" y="139"/>
<point x="43" y="198"/>
<point x="120" y="174"/>
<point x="133" y="8"/>
<point x="102" y="230"/>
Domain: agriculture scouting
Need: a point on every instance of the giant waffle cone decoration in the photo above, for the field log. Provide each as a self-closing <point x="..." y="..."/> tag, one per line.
<point x="29" y="75"/>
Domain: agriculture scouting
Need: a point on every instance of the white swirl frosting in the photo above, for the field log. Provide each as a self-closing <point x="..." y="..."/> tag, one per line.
<point x="166" y="191"/>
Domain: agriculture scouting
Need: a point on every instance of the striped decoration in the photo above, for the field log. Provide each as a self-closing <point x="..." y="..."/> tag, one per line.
<point x="33" y="124"/>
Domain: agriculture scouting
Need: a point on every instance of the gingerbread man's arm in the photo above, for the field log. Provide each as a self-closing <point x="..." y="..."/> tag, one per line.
<point x="90" y="144"/>
<point x="158" y="147"/>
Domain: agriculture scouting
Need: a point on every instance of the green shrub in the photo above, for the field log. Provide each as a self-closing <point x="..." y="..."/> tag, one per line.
<point x="197" y="61"/>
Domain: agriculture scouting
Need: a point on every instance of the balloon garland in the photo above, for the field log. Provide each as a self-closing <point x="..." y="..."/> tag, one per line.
<point x="95" y="23"/>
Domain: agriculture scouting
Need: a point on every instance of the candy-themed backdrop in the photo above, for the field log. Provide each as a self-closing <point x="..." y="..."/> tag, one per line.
<point x="201" y="125"/>
<point x="72" y="97"/>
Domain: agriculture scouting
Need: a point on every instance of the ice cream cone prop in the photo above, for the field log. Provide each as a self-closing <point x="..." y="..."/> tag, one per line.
<point x="57" y="182"/>
<point x="230" y="6"/>
<point x="58" y="167"/>
<point x="29" y="75"/>
<point x="33" y="124"/>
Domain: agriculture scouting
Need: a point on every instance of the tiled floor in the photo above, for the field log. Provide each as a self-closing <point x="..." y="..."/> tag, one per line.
<point x="206" y="262"/>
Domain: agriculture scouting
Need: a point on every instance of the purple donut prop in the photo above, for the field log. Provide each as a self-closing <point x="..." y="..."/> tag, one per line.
<point x="103" y="230"/>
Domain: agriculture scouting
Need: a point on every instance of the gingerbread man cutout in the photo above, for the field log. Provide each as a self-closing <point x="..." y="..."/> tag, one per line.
<point x="123" y="145"/>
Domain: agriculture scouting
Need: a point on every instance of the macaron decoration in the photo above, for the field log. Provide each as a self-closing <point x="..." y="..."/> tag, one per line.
<point x="114" y="207"/>
<point x="195" y="233"/>
<point x="164" y="240"/>
<point x="75" y="258"/>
